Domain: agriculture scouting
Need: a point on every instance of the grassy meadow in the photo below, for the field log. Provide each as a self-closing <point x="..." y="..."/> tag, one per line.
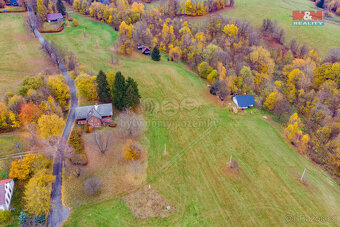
<point x="20" y="53"/>
<point x="200" y="139"/>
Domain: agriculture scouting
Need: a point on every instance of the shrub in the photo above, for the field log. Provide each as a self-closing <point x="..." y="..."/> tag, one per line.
<point x="40" y="219"/>
<point x="23" y="217"/>
<point x="75" y="22"/>
<point x="5" y="216"/>
<point x="92" y="185"/>
<point x="88" y="128"/>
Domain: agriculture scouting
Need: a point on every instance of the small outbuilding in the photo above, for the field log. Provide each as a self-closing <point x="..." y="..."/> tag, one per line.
<point x="140" y="46"/>
<point x="14" y="3"/>
<point x="54" y="17"/>
<point x="146" y="51"/>
<point x="6" y="193"/>
<point x="244" y="101"/>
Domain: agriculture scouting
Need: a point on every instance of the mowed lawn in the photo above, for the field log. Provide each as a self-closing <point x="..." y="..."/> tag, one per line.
<point x="321" y="37"/>
<point x="193" y="179"/>
<point x="20" y="53"/>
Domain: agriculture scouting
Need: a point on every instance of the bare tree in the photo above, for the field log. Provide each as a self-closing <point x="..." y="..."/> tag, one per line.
<point x="32" y="130"/>
<point x="92" y="185"/>
<point x="130" y="124"/>
<point x="137" y="167"/>
<point x="102" y="140"/>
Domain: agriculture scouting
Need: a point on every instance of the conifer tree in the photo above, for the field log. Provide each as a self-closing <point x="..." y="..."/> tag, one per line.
<point x="132" y="93"/>
<point x="102" y="87"/>
<point x="119" y="91"/>
<point x="155" y="55"/>
<point x="61" y="7"/>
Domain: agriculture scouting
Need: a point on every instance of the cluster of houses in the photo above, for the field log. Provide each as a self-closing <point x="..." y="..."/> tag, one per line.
<point x="145" y="50"/>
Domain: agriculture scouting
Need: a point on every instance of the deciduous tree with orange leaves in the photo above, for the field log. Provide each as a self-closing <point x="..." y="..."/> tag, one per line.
<point x="29" y="113"/>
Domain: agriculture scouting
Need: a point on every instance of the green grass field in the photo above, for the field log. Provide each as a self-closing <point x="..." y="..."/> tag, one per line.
<point x="194" y="178"/>
<point x="20" y="53"/>
<point x="321" y="37"/>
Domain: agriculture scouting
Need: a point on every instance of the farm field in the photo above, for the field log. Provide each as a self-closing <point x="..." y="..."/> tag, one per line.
<point x="20" y="53"/>
<point x="193" y="179"/>
<point x="321" y="37"/>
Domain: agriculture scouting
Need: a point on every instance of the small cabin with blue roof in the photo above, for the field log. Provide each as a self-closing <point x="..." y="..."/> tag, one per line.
<point x="14" y="3"/>
<point x="244" y="101"/>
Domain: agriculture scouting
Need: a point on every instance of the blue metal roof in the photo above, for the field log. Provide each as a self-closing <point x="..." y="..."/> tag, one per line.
<point x="245" y="100"/>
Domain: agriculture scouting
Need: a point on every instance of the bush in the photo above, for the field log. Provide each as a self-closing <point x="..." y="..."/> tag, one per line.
<point x="320" y="3"/>
<point x="75" y="22"/>
<point x="23" y="217"/>
<point x="155" y="55"/>
<point x="92" y="185"/>
<point x="40" y="219"/>
<point x="88" y="128"/>
<point x="5" y="216"/>
<point x="113" y="125"/>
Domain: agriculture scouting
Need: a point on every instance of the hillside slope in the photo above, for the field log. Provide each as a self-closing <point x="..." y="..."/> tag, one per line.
<point x="199" y="142"/>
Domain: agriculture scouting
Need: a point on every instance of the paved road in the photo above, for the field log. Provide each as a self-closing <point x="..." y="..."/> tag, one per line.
<point x="59" y="213"/>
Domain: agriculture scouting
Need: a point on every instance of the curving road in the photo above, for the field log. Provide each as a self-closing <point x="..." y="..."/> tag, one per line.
<point x="59" y="213"/>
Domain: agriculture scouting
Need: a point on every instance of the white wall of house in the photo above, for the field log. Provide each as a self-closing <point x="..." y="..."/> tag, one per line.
<point x="235" y="101"/>
<point x="9" y="189"/>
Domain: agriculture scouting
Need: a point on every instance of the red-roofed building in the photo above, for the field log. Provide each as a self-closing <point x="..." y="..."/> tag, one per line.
<point x="6" y="192"/>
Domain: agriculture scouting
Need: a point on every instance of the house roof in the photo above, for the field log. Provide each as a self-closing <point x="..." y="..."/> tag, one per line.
<point x="2" y="190"/>
<point x="85" y="112"/>
<point x="54" y="16"/>
<point x="146" y="48"/>
<point x="245" y="100"/>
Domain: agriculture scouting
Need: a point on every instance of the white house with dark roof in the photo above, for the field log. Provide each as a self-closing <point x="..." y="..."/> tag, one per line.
<point x="95" y="116"/>
<point x="6" y="192"/>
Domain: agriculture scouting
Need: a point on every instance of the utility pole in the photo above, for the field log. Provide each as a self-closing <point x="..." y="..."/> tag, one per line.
<point x="17" y="145"/>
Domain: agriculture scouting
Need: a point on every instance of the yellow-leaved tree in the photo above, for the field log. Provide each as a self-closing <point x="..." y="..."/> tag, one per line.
<point x="190" y="9"/>
<point x="294" y="134"/>
<point x="59" y="89"/>
<point x="50" y="125"/>
<point x="37" y="193"/>
<point x="87" y="86"/>
<point x="230" y="30"/>
<point x="133" y="151"/>
<point x="261" y="59"/>
<point x="26" y="167"/>
<point x="125" y="38"/>
<point x="41" y="9"/>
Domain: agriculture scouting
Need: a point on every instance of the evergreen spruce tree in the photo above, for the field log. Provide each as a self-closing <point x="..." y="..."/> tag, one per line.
<point x="132" y="93"/>
<point x="61" y="7"/>
<point x="119" y="91"/>
<point x="102" y="87"/>
<point x="155" y="55"/>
